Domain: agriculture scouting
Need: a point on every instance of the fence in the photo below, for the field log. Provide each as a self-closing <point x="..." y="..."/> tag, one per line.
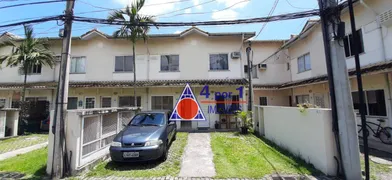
<point x="89" y="133"/>
<point x="306" y="134"/>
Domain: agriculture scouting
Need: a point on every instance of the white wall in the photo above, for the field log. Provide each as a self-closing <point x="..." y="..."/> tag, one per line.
<point x="377" y="40"/>
<point x="276" y="71"/>
<point x="193" y="50"/>
<point x="308" y="134"/>
<point x="312" y="44"/>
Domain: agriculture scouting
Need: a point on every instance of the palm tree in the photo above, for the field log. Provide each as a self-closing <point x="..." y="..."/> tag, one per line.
<point x="132" y="30"/>
<point x="27" y="53"/>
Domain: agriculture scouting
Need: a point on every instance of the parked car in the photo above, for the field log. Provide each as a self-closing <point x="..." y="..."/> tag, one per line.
<point x="147" y="137"/>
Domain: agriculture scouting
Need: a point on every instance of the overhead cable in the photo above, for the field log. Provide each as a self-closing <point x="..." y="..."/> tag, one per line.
<point x="281" y="17"/>
<point x="32" y="3"/>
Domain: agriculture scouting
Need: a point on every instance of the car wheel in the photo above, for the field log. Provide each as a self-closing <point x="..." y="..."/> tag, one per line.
<point x="165" y="153"/>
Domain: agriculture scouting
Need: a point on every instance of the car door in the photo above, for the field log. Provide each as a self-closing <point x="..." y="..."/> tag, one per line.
<point x="169" y="127"/>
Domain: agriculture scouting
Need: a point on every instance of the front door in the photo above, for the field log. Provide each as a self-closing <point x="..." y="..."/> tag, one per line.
<point x="204" y="108"/>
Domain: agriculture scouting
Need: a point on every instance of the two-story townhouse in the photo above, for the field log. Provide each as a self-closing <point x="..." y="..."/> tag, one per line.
<point x="304" y="56"/>
<point x="101" y="71"/>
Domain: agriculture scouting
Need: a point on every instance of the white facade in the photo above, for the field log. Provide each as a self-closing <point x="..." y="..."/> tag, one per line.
<point x="94" y="64"/>
<point x="305" y="85"/>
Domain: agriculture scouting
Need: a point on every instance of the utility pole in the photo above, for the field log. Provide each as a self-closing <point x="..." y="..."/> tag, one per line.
<point x="250" y="89"/>
<point x="345" y="126"/>
<point x="59" y="165"/>
<point x="362" y="107"/>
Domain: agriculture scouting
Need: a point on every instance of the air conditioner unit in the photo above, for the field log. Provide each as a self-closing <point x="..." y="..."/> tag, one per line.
<point x="235" y="55"/>
<point x="385" y="18"/>
<point x="262" y="66"/>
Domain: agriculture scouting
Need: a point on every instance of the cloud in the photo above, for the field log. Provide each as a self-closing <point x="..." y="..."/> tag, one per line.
<point x="154" y="9"/>
<point x="228" y="3"/>
<point x="187" y="11"/>
<point x="224" y="15"/>
<point x="177" y="32"/>
<point x="196" y="2"/>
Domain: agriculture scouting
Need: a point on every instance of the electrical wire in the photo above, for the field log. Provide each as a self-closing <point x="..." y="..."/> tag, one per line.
<point x="189" y="7"/>
<point x="209" y="12"/>
<point x="13" y="0"/>
<point x="34" y="21"/>
<point x="269" y="14"/>
<point x="109" y="9"/>
<point x="32" y="3"/>
<point x="288" y="16"/>
<point x="288" y="2"/>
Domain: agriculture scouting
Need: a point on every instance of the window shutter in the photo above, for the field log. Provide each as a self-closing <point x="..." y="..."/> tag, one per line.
<point x="245" y="68"/>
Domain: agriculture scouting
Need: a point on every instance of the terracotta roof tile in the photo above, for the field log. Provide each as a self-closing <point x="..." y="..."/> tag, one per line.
<point x="365" y="69"/>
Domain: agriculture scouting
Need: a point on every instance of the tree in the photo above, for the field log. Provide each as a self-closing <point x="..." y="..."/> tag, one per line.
<point x="26" y="54"/>
<point x="132" y="30"/>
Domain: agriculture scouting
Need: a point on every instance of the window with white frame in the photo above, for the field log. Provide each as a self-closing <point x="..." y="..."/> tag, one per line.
<point x="129" y="101"/>
<point x="162" y="102"/>
<point x="219" y="62"/>
<point x="78" y="65"/>
<point x="263" y="101"/>
<point x="123" y="64"/>
<point x="90" y="103"/>
<point x="106" y="102"/>
<point x="301" y="99"/>
<point x="374" y="100"/>
<point x="170" y="63"/>
<point x="349" y="44"/>
<point x="2" y="102"/>
<point x="35" y="69"/>
<point x="254" y="71"/>
<point x="304" y="63"/>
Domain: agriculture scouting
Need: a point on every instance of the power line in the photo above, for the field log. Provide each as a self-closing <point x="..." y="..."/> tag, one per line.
<point x="288" y="2"/>
<point x="45" y="19"/>
<point x="288" y="16"/>
<point x="189" y="7"/>
<point x="113" y="9"/>
<point x="32" y="3"/>
<point x="269" y="14"/>
<point x="209" y="11"/>
<point x="13" y="0"/>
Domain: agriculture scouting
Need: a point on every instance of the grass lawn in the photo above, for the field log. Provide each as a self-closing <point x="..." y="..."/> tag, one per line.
<point x="171" y="167"/>
<point x="247" y="156"/>
<point x="375" y="168"/>
<point x="19" y="142"/>
<point x="32" y="164"/>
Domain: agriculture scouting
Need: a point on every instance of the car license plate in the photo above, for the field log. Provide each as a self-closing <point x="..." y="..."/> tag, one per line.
<point x="130" y="154"/>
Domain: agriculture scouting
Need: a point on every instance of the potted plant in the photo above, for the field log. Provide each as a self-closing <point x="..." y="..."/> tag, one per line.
<point x="246" y="120"/>
<point x="216" y="125"/>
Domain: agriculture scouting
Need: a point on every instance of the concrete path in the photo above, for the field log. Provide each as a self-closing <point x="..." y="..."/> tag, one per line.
<point x="197" y="158"/>
<point x="21" y="151"/>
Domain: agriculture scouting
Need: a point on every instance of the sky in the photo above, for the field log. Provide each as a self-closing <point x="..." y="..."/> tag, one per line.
<point x="164" y="11"/>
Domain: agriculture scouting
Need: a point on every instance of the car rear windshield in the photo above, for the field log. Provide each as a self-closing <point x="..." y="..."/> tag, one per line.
<point x="148" y="119"/>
